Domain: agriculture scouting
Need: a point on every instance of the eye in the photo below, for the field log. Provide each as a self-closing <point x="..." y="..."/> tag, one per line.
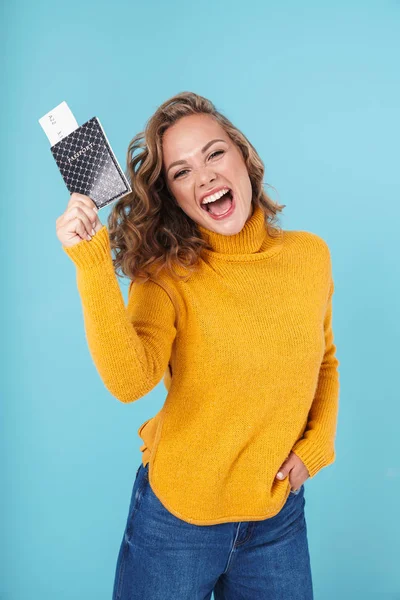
<point x="180" y="173"/>
<point x="217" y="152"/>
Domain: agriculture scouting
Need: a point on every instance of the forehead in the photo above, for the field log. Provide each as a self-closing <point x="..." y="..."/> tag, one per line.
<point x="189" y="135"/>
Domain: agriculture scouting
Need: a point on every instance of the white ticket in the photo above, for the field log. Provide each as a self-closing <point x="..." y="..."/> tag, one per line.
<point x="58" y="123"/>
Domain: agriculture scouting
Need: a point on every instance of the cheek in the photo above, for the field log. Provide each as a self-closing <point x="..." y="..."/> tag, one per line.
<point x="241" y="176"/>
<point x="238" y="166"/>
<point x="183" y="195"/>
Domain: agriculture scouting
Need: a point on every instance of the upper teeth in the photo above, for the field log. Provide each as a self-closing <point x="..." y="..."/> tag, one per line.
<point x="215" y="196"/>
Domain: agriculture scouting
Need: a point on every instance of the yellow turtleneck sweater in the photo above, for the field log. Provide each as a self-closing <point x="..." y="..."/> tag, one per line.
<point x="246" y="349"/>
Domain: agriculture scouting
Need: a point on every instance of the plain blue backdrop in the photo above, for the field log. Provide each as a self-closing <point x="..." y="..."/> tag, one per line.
<point x="315" y="87"/>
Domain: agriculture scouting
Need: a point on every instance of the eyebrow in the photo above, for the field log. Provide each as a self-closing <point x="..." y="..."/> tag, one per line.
<point x="206" y="147"/>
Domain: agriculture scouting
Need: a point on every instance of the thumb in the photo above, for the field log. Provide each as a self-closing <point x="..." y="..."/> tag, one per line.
<point x="284" y="470"/>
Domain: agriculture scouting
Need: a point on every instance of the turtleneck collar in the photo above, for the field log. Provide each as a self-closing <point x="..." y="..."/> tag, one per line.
<point x="251" y="242"/>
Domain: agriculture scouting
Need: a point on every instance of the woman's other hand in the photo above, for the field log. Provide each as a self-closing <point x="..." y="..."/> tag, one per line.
<point x="296" y="469"/>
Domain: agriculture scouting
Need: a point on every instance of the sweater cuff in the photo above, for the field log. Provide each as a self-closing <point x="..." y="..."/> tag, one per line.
<point x="313" y="460"/>
<point x="89" y="253"/>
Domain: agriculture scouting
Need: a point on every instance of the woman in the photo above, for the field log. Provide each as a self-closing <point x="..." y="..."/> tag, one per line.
<point x="236" y="314"/>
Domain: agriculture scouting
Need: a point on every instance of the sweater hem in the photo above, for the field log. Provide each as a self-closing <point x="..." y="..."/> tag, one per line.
<point x="218" y="520"/>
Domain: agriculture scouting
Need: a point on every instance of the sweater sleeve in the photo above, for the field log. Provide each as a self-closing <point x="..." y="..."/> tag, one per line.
<point x="316" y="447"/>
<point x="130" y="345"/>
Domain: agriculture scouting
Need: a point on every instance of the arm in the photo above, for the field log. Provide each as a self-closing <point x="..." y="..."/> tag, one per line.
<point x="316" y="447"/>
<point x="130" y="346"/>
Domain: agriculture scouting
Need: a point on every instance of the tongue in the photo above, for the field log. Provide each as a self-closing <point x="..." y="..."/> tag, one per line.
<point x="221" y="206"/>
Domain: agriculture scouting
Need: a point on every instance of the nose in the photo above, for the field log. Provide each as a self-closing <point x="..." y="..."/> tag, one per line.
<point x="205" y="175"/>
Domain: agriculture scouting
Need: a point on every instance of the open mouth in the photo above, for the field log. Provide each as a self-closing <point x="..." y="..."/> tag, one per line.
<point x="221" y="206"/>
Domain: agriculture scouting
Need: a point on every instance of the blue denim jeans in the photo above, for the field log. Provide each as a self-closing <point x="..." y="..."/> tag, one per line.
<point x="165" y="558"/>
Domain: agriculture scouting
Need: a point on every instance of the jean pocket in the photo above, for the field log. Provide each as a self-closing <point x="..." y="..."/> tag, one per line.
<point x="138" y="490"/>
<point x="295" y="492"/>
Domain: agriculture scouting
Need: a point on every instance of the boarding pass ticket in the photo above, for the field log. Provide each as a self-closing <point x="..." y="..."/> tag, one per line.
<point x="58" y="123"/>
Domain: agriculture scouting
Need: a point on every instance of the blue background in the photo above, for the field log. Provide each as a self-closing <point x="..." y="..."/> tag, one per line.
<point x="315" y="87"/>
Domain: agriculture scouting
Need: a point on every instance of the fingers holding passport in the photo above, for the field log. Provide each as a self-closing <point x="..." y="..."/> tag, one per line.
<point x="79" y="222"/>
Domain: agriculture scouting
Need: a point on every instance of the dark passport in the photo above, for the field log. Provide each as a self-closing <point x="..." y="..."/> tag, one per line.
<point x="89" y="166"/>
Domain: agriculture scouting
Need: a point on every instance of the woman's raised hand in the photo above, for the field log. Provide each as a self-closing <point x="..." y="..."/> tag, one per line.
<point x="79" y="221"/>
